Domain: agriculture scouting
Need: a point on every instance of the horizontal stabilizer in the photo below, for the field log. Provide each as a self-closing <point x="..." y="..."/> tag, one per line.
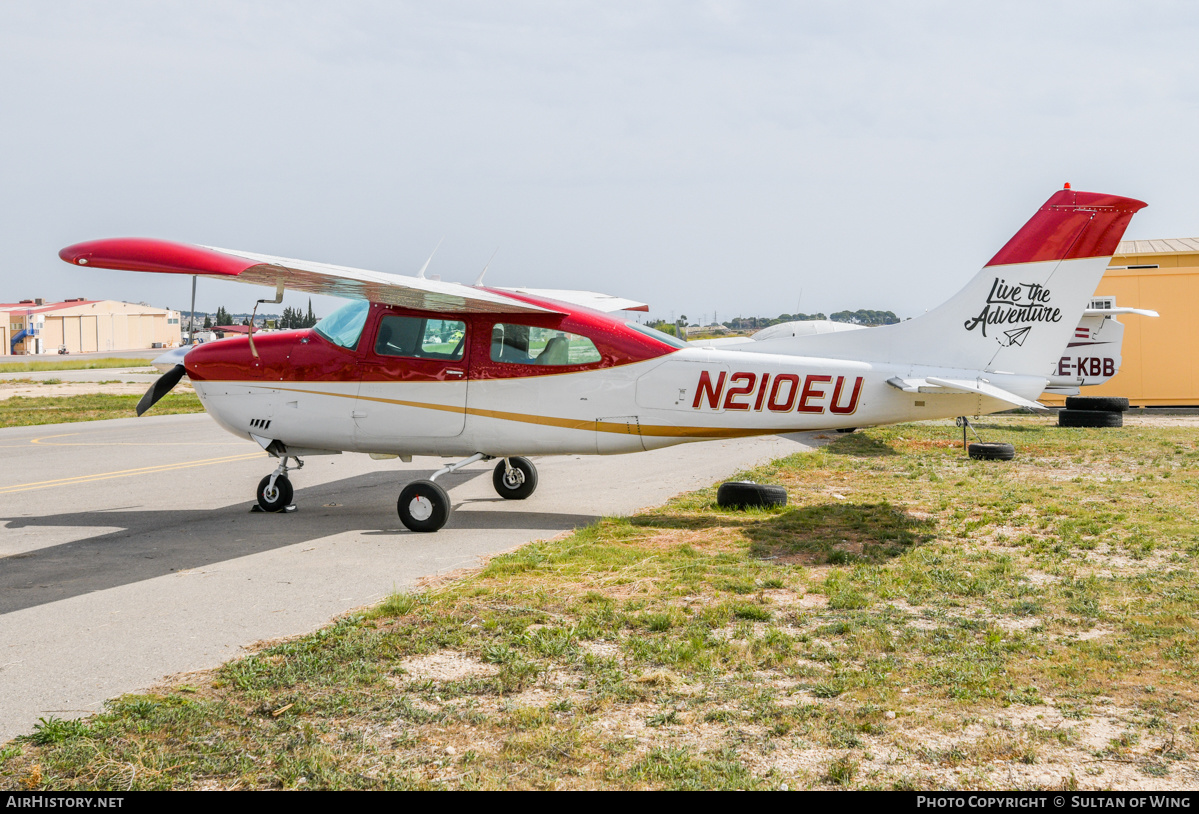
<point x="934" y="385"/>
<point x="985" y="389"/>
<point x="1104" y="312"/>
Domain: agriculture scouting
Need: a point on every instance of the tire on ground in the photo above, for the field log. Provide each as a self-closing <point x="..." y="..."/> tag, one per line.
<point x="1110" y="404"/>
<point x="423" y="506"/>
<point x="277" y="500"/>
<point x="743" y="494"/>
<point x="991" y="451"/>
<point x="1089" y="418"/>
<point x="523" y="483"/>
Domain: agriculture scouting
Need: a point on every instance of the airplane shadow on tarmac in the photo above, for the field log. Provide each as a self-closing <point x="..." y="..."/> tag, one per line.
<point x="155" y="543"/>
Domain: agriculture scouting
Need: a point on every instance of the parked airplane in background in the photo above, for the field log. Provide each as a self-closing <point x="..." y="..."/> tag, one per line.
<point x="411" y="366"/>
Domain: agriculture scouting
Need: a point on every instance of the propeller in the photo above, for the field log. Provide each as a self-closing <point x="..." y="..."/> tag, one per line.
<point x="162" y="385"/>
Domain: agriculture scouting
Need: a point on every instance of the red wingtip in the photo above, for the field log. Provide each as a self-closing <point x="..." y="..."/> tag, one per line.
<point x="1071" y="225"/>
<point x="148" y="254"/>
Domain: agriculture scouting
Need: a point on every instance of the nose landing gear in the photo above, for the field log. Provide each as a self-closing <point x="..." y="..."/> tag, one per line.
<point x="275" y="490"/>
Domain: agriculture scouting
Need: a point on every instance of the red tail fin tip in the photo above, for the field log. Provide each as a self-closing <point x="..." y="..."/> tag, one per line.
<point x="1071" y="225"/>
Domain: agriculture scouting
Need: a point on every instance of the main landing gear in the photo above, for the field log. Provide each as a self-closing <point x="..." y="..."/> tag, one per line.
<point x="425" y="506"/>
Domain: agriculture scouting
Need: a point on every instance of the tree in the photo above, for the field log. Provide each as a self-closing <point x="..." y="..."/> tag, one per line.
<point x="865" y="316"/>
<point x="222" y="316"/>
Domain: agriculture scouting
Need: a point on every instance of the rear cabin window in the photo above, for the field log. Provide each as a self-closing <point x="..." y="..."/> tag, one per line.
<point x="420" y="338"/>
<point x="527" y="345"/>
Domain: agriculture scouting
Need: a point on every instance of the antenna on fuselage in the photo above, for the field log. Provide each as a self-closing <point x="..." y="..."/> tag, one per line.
<point x="421" y="274"/>
<point x="479" y="279"/>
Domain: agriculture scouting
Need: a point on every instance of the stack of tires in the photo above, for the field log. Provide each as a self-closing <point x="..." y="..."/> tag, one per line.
<point x="1093" y="411"/>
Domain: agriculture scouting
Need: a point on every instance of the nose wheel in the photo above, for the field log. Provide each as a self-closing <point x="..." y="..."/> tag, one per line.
<point x="275" y="491"/>
<point x="276" y="497"/>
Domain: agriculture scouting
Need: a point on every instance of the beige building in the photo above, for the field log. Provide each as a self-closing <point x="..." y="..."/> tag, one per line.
<point x="85" y="326"/>
<point x="1159" y="354"/>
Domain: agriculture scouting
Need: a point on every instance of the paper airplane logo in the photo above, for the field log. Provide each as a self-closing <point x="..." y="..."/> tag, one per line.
<point x="1016" y="336"/>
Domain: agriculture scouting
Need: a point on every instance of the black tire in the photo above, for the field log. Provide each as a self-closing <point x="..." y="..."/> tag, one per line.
<point x="520" y="485"/>
<point x="1107" y="404"/>
<point x="847" y="429"/>
<point x="423" y="506"/>
<point x="1089" y="418"/>
<point x="743" y="494"/>
<point x="991" y="451"/>
<point x="279" y="498"/>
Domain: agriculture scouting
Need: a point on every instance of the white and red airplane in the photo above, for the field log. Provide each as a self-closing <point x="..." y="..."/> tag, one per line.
<point x="412" y="366"/>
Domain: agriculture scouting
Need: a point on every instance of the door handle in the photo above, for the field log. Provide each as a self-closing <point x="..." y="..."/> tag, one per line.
<point x="457" y="373"/>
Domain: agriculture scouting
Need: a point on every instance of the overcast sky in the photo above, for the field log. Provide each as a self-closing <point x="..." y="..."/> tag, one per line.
<point x="739" y="157"/>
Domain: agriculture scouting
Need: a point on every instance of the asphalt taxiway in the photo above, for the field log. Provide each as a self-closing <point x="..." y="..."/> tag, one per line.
<point x="128" y="551"/>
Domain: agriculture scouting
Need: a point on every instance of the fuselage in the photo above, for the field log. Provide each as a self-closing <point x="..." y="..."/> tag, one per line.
<point x="574" y="382"/>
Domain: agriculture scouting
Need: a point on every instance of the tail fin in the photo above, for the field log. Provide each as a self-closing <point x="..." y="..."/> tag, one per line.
<point x="1018" y="313"/>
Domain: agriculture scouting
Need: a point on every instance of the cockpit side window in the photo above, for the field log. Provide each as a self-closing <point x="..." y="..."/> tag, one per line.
<point x="528" y="345"/>
<point x="420" y="338"/>
<point x="344" y="326"/>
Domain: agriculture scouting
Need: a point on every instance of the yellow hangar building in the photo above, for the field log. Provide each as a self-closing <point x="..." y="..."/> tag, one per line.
<point x="85" y="326"/>
<point x="1159" y="354"/>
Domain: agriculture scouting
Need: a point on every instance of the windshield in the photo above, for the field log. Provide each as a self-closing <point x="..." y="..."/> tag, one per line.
<point x="665" y="338"/>
<point x="344" y="326"/>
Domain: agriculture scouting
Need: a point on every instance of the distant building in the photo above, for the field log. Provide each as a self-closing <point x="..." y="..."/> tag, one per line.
<point x="85" y="326"/>
<point x="1158" y="367"/>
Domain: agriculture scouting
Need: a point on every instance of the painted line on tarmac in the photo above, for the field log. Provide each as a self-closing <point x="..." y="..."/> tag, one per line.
<point x="126" y="473"/>
<point x="42" y="441"/>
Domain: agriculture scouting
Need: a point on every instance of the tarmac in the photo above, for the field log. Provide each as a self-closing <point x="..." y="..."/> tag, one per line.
<point x="129" y="552"/>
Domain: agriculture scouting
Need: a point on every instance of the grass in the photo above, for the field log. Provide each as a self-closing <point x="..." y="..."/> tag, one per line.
<point x="24" y="411"/>
<point x="71" y="364"/>
<point x="912" y="620"/>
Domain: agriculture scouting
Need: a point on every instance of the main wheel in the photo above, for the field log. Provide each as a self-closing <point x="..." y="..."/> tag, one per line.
<point x="1089" y="418"/>
<point x="517" y="483"/>
<point x="276" y="499"/>
<point x="742" y="494"/>
<point x="423" y="506"/>
<point x="991" y="451"/>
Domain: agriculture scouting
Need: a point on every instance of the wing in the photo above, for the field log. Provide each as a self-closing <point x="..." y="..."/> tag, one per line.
<point x="163" y="256"/>
<point x="588" y="299"/>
